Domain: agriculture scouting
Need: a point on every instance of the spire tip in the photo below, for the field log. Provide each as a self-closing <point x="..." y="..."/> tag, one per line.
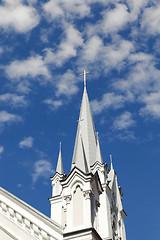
<point x="59" y="163"/>
<point x="111" y="161"/>
<point x="84" y="74"/>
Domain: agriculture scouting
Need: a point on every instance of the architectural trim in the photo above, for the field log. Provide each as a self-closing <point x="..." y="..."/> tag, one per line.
<point x="8" y="233"/>
<point x="83" y="232"/>
<point x="32" y="210"/>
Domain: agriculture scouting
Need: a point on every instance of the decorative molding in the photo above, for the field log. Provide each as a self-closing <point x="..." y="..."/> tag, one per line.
<point x="40" y="216"/>
<point x="87" y="194"/>
<point x="32" y="228"/>
<point x="8" y="233"/>
<point x="68" y="199"/>
<point x="77" y="186"/>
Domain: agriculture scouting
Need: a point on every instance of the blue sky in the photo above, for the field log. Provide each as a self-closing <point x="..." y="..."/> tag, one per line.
<point x="44" y="46"/>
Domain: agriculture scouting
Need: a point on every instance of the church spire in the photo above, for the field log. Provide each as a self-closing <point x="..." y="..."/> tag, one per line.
<point x="59" y="163"/>
<point x="85" y="132"/>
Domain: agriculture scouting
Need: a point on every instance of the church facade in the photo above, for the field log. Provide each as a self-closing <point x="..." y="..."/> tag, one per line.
<point x="86" y="204"/>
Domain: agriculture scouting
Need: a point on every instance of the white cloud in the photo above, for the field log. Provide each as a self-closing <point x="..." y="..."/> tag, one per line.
<point x="66" y="9"/>
<point x="124" y="121"/>
<point x="152" y="105"/>
<point x="66" y="84"/>
<point x="151" y="20"/>
<point x="15" y="15"/>
<point x="27" y="142"/>
<point x="140" y="57"/>
<point x="53" y="9"/>
<point x="42" y="169"/>
<point x="142" y="85"/>
<point x="136" y="7"/>
<point x="53" y="104"/>
<point x="109" y="100"/>
<point x="67" y="48"/>
<point x="93" y="48"/>
<point x="143" y="76"/>
<point x="13" y="100"/>
<point x="125" y="135"/>
<point x="118" y="52"/>
<point x="23" y="87"/>
<point x="6" y="117"/>
<point x="1" y="149"/>
<point x="69" y="44"/>
<point x="115" y="19"/>
<point x="71" y="9"/>
<point x="113" y="55"/>
<point x="32" y="67"/>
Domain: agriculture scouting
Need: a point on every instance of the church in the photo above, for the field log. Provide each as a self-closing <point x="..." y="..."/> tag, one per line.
<point x="86" y="204"/>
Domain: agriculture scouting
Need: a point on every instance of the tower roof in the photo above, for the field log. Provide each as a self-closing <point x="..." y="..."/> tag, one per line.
<point x="59" y="163"/>
<point x="85" y="149"/>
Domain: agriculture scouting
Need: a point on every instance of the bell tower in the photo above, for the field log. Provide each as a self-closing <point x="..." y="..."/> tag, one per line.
<point x="87" y="202"/>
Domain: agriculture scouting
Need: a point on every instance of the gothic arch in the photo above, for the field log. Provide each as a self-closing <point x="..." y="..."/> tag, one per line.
<point x="75" y="184"/>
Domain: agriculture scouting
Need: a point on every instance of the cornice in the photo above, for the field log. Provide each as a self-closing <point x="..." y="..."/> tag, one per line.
<point x="76" y="172"/>
<point x="29" y="209"/>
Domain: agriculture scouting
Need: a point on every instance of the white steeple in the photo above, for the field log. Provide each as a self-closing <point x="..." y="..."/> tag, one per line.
<point x="87" y="202"/>
<point x="59" y="163"/>
<point x="85" y="132"/>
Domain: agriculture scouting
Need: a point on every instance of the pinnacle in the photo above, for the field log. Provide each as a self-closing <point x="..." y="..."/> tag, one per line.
<point x="59" y="163"/>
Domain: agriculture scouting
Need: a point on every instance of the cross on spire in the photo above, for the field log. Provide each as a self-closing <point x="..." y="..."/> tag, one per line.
<point x="84" y="74"/>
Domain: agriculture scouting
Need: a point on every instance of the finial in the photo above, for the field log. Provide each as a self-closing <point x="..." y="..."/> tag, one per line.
<point x="60" y="145"/>
<point x="111" y="161"/>
<point x="84" y="74"/>
<point x="59" y="163"/>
